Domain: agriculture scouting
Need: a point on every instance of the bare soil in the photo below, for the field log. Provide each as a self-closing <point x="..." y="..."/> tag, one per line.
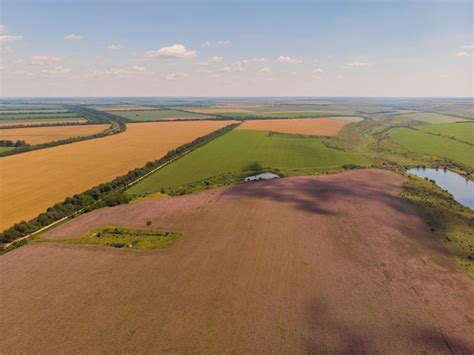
<point x="325" y="264"/>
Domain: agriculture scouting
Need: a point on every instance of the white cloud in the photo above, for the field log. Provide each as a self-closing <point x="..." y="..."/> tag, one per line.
<point x="223" y="43"/>
<point x="215" y="59"/>
<point x="56" y="71"/>
<point x="465" y="54"/>
<point x="117" y="72"/>
<point x="176" y="51"/>
<point x="288" y="60"/>
<point x="253" y="60"/>
<point x="217" y="43"/>
<point x="175" y="76"/>
<point x="73" y="37"/>
<point x="114" y="46"/>
<point x="45" y="59"/>
<point x="266" y="70"/>
<point x="356" y="64"/>
<point x="10" y="38"/>
<point x="318" y="71"/>
<point x="468" y="46"/>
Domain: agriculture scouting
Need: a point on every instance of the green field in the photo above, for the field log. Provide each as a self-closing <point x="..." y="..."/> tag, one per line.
<point x="424" y="143"/>
<point x="28" y="121"/>
<point x="461" y="131"/>
<point x="36" y="115"/>
<point x="6" y="149"/>
<point x="157" y="115"/>
<point x="434" y="118"/>
<point x="119" y="237"/>
<point x="248" y="151"/>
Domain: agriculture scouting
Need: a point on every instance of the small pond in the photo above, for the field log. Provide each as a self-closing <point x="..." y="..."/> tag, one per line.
<point x="461" y="189"/>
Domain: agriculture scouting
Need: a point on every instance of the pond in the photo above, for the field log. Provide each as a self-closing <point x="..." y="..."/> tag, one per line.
<point x="461" y="189"/>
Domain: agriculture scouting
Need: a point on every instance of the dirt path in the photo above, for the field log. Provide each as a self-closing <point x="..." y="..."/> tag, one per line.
<point x="334" y="263"/>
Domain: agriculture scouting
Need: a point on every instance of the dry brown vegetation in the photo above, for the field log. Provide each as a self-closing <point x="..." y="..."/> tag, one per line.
<point x="34" y="181"/>
<point x="38" y="135"/>
<point x="306" y="126"/>
<point x="328" y="264"/>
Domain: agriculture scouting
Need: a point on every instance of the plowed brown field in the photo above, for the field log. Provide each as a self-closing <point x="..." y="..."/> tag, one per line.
<point x="34" y="181"/>
<point x="38" y="135"/>
<point x="307" y="126"/>
<point x="330" y="264"/>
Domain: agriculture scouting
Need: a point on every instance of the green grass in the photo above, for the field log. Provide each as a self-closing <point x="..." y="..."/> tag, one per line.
<point x="433" y="118"/>
<point x="420" y="142"/>
<point x="249" y="151"/>
<point x="460" y="131"/>
<point x="6" y="149"/>
<point x="119" y="237"/>
<point x="34" y="120"/>
<point x="157" y="115"/>
<point x="450" y="222"/>
<point x="19" y="116"/>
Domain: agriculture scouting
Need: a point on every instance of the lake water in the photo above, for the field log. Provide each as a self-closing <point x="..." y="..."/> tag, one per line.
<point x="461" y="189"/>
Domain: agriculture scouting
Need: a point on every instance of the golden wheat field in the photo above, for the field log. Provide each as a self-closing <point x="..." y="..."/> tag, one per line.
<point x="38" y="135"/>
<point x="34" y="181"/>
<point x="306" y="126"/>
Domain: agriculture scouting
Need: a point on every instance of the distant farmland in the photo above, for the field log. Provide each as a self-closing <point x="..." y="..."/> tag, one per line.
<point x="38" y="135"/>
<point x="434" y="118"/>
<point x="420" y="142"/>
<point x="31" y="122"/>
<point x="306" y="126"/>
<point x="50" y="175"/>
<point x="36" y="115"/>
<point x="158" y="115"/>
<point x="459" y="131"/>
<point x="244" y="150"/>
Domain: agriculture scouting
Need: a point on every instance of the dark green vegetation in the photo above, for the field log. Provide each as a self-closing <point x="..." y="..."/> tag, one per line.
<point x="12" y="144"/>
<point x="241" y="153"/>
<point x="450" y="222"/>
<point x="119" y="237"/>
<point x="160" y="115"/>
<point x="107" y="194"/>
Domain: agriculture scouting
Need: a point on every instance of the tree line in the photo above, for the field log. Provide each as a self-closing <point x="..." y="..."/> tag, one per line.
<point x="106" y="194"/>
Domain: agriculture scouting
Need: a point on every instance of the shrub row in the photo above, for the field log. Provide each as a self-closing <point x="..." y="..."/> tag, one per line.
<point x="106" y="194"/>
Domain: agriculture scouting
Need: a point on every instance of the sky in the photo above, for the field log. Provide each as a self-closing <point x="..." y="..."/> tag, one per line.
<point x="236" y="48"/>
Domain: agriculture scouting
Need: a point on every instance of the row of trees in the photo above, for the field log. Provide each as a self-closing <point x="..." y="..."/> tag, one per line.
<point x="107" y="194"/>
<point x="9" y="143"/>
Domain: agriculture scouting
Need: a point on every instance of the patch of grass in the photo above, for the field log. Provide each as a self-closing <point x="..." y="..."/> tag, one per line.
<point x="119" y="237"/>
<point x="249" y="151"/>
<point x="388" y="275"/>
<point x="460" y="131"/>
<point x="433" y="118"/>
<point x="157" y="115"/>
<point x="6" y="149"/>
<point x="469" y="319"/>
<point x="428" y="144"/>
<point x="37" y="115"/>
<point x="452" y="224"/>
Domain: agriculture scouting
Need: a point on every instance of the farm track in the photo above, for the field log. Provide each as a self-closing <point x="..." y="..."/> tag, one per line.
<point x="325" y="264"/>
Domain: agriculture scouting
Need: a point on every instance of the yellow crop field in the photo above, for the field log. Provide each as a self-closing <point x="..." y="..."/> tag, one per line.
<point x="306" y="126"/>
<point x="33" y="181"/>
<point x="38" y="135"/>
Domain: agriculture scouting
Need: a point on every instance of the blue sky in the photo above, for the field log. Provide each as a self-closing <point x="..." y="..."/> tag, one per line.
<point x="238" y="48"/>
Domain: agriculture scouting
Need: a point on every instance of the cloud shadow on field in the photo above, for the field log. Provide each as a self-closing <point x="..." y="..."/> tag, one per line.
<point x="331" y="335"/>
<point x="313" y="195"/>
